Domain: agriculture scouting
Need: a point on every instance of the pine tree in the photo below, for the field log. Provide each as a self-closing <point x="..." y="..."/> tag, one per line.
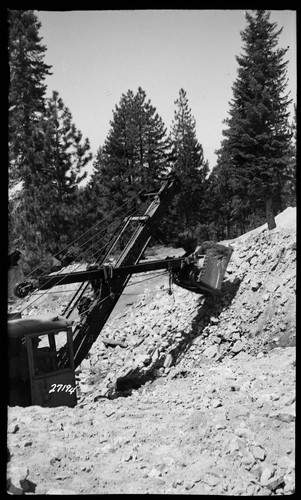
<point x="290" y="185"/>
<point x="189" y="208"/>
<point x="134" y="155"/>
<point x="219" y="203"/>
<point x="26" y="101"/>
<point x="257" y="140"/>
<point x="66" y="155"/>
<point x="152" y="143"/>
<point x="47" y="222"/>
<point x="27" y="89"/>
<point x="46" y="151"/>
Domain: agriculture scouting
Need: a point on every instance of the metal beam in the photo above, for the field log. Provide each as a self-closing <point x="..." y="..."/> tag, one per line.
<point x="47" y="282"/>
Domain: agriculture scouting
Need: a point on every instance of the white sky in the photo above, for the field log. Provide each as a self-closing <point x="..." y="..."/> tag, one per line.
<point x="96" y="56"/>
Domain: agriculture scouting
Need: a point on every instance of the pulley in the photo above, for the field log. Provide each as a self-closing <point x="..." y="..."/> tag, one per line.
<point x="23" y="288"/>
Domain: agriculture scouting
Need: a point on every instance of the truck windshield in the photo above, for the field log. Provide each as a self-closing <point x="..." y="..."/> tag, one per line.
<point x="47" y="352"/>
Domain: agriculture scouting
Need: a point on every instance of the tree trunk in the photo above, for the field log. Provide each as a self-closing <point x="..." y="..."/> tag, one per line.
<point x="269" y="213"/>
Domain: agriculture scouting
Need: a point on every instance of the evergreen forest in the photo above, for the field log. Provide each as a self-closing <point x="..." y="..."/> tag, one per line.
<point x="253" y="179"/>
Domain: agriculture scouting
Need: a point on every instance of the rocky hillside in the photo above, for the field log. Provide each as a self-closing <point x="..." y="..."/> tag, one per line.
<point x="180" y="394"/>
<point x="255" y="313"/>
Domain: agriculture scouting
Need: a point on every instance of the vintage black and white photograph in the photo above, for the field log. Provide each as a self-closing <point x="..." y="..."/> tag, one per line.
<point x="151" y="282"/>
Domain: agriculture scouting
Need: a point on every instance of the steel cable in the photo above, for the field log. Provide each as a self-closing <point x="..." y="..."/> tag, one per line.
<point x="61" y="271"/>
<point x="121" y="218"/>
<point x="89" y="309"/>
<point x="110" y="214"/>
<point x="131" y="212"/>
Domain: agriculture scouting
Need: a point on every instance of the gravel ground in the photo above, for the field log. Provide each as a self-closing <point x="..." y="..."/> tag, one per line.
<point x="214" y="412"/>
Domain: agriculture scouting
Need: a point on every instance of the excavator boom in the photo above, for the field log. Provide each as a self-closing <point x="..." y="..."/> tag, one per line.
<point x="201" y="271"/>
<point x="87" y="331"/>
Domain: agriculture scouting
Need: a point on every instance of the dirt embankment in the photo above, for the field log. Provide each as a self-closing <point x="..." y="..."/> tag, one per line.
<point x="210" y="406"/>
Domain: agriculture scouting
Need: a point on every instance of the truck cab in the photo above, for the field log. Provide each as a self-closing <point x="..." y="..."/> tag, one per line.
<point x="36" y="374"/>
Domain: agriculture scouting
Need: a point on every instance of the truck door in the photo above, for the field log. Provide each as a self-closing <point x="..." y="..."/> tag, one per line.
<point x="51" y="385"/>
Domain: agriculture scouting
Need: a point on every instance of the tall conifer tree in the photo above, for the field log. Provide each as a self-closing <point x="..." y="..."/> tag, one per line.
<point x="27" y="89"/>
<point x="46" y="151"/>
<point x="135" y="154"/>
<point x="26" y="108"/>
<point x="189" y="207"/>
<point x="66" y="154"/>
<point x="290" y="195"/>
<point x="257" y="140"/>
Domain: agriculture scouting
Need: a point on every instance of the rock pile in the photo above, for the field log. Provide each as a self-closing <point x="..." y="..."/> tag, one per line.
<point x="255" y="313"/>
<point x="212" y="392"/>
<point x="219" y="429"/>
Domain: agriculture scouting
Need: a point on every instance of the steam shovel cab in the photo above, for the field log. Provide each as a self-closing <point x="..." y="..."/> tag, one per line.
<point x="37" y="375"/>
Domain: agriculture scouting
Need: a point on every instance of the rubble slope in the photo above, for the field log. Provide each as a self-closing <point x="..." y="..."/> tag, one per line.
<point x="255" y="313"/>
<point x="213" y="408"/>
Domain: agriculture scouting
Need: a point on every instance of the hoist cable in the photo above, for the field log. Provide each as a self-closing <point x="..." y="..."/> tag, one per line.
<point x="109" y="215"/>
<point x="47" y="291"/>
<point x="89" y="309"/>
<point x="129" y="212"/>
<point x="82" y="288"/>
<point x="86" y="252"/>
<point x="79" y="264"/>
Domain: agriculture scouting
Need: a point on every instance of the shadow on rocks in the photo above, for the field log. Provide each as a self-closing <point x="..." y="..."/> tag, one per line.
<point x="210" y="307"/>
